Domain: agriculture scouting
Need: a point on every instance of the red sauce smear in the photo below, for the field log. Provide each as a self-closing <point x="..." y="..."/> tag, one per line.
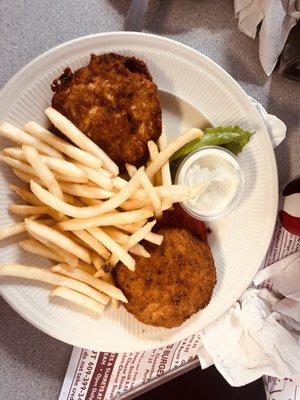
<point x="178" y="218"/>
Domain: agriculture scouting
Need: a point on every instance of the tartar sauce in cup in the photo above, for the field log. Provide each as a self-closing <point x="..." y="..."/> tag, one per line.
<point x="220" y="179"/>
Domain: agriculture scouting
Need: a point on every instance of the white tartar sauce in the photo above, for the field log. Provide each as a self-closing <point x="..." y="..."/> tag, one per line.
<point x="218" y="172"/>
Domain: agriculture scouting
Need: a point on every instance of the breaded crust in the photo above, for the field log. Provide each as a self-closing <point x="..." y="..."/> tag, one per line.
<point x="174" y="283"/>
<point x="114" y="102"/>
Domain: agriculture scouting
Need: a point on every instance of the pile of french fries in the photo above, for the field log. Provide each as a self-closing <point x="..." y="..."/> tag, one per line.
<point x="80" y="213"/>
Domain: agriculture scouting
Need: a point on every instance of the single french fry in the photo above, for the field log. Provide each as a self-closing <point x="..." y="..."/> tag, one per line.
<point x="119" y="183"/>
<point x="146" y="183"/>
<point x="131" y="170"/>
<point x="14" y="229"/>
<point x="42" y="171"/>
<point x="80" y="139"/>
<point x="133" y="204"/>
<point x="139" y="250"/>
<point x="35" y="247"/>
<point x="174" y="191"/>
<point x="24" y="209"/>
<point x="84" y="277"/>
<point x="19" y="136"/>
<point x="11" y="230"/>
<point x="56" y="237"/>
<point x="166" y="179"/>
<point x="171" y="148"/>
<point x="70" y="178"/>
<point x="76" y="189"/>
<point x="133" y="227"/>
<point x="77" y="298"/>
<point x="113" y="246"/>
<point x="132" y="240"/>
<point x="154" y="238"/>
<point x="108" y="219"/>
<point x="153" y="153"/>
<point x="44" y="275"/>
<point x="63" y="146"/>
<point x="26" y="195"/>
<point x="90" y="202"/>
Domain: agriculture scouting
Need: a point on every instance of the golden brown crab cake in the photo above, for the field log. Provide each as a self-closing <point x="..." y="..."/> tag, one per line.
<point x="174" y="283"/>
<point x="114" y="101"/>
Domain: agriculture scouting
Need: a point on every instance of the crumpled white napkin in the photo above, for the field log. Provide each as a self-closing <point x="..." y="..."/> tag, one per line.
<point x="276" y="128"/>
<point x="277" y="17"/>
<point x="260" y="334"/>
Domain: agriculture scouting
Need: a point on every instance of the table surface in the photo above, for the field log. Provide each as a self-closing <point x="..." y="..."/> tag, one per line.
<point x="32" y="364"/>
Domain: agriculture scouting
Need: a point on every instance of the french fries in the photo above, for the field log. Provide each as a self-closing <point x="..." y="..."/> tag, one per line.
<point x="80" y="139"/>
<point x="93" y="243"/>
<point x="26" y="195"/>
<point x="23" y="166"/>
<point x="166" y="179"/>
<point x="89" y="268"/>
<point x="43" y="275"/>
<point x="153" y="153"/>
<point x="153" y="196"/>
<point x="171" y="148"/>
<point x="97" y="177"/>
<point x="91" y="192"/>
<point x="56" y="237"/>
<point x="154" y="238"/>
<point x="131" y="169"/>
<point x="113" y="246"/>
<point x="11" y="230"/>
<point x="22" y="209"/>
<point x="109" y="219"/>
<point x="96" y="217"/>
<point x="67" y="257"/>
<point x="35" y="247"/>
<point x="90" y="211"/>
<point x="121" y="238"/>
<point x="64" y="147"/>
<point x="56" y="164"/>
<point x="17" y="135"/>
<point x="97" y="261"/>
<point x="84" y="277"/>
<point x="132" y="240"/>
<point x="42" y="171"/>
<point x="77" y="298"/>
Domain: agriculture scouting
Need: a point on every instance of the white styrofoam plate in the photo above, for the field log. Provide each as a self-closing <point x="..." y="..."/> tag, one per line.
<point x="192" y="86"/>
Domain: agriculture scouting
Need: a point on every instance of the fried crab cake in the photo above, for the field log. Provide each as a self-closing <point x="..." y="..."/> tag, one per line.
<point x="174" y="283"/>
<point x="114" y="101"/>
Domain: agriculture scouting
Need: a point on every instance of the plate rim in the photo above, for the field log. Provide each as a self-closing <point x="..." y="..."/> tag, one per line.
<point x="144" y="343"/>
